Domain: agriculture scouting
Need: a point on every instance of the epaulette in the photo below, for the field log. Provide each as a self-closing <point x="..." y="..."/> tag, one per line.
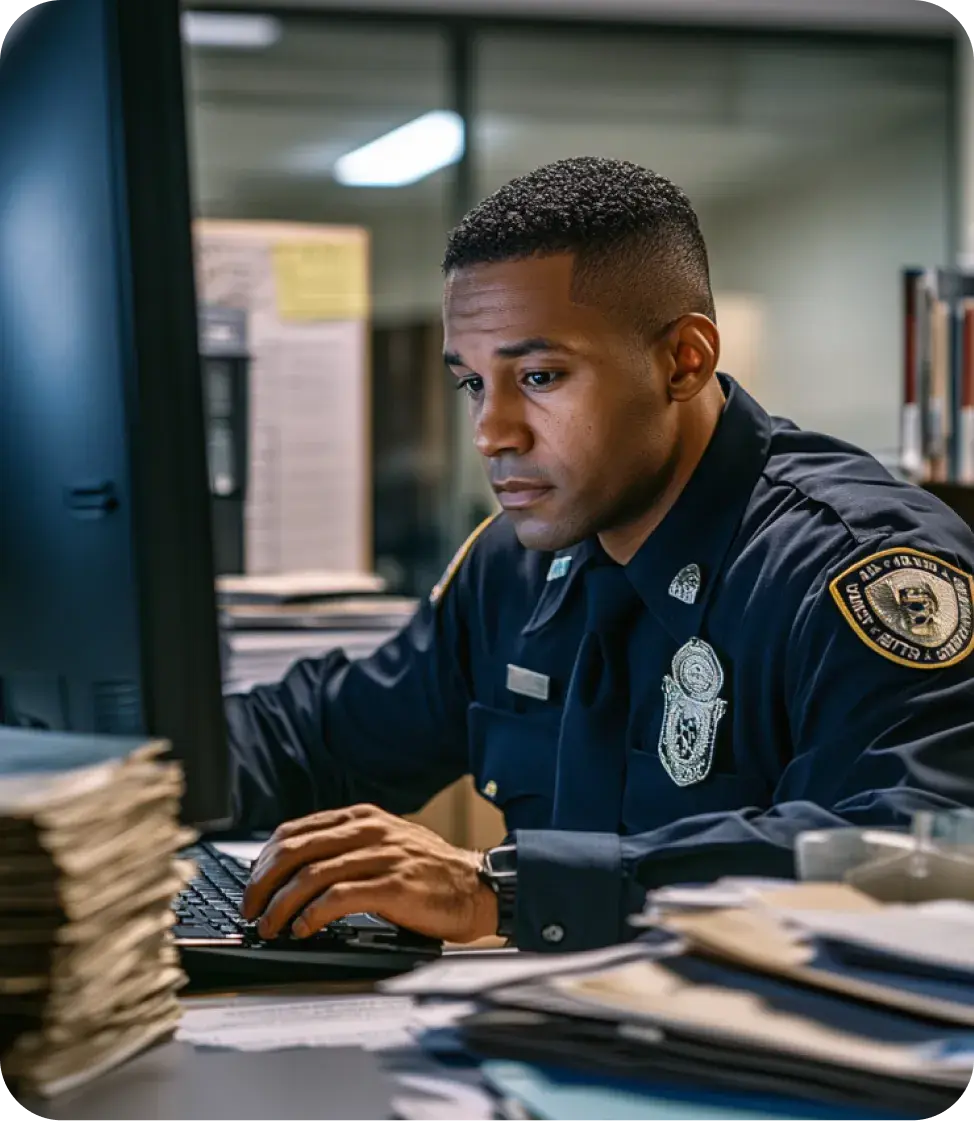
<point x="453" y="567"/>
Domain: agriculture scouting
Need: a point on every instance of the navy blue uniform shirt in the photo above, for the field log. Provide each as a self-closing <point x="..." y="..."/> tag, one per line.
<point x="788" y="651"/>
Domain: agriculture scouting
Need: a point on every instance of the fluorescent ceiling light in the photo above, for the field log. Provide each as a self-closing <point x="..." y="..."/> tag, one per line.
<point x="405" y="155"/>
<point x="226" y="29"/>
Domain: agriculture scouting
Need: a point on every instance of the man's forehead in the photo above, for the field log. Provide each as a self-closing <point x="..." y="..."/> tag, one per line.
<point x="515" y="300"/>
<point x="544" y="280"/>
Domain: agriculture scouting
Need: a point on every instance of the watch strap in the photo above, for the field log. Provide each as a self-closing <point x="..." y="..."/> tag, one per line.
<point x="499" y="871"/>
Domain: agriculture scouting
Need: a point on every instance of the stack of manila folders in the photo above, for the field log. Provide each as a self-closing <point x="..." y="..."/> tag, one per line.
<point x="89" y="836"/>
<point x="768" y="997"/>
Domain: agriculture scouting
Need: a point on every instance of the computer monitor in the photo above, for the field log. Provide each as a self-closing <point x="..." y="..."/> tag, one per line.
<point x="107" y="603"/>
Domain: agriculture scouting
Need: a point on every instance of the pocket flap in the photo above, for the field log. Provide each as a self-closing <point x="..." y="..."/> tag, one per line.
<point x="513" y="754"/>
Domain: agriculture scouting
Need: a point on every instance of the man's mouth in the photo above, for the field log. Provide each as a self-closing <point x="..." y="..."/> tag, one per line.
<point x="519" y="494"/>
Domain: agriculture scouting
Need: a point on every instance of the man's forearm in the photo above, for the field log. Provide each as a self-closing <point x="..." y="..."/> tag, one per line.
<point x="576" y="890"/>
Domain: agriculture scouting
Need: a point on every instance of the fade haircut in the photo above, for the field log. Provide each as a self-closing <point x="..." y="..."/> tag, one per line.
<point x="638" y="251"/>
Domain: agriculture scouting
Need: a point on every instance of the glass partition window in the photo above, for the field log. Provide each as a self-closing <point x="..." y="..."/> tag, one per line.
<point x="270" y="127"/>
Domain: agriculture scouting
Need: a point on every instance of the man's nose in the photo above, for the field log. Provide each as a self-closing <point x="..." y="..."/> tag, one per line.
<point x="500" y="426"/>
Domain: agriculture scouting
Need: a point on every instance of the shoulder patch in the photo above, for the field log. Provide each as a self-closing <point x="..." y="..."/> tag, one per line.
<point x="453" y="567"/>
<point x="913" y="608"/>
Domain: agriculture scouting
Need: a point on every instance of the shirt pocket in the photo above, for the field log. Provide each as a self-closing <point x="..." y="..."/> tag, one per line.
<point x="652" y="799"/>
<point x="512" y="758"/>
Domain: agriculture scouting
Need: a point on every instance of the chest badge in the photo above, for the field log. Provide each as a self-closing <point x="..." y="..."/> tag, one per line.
<point x="692" y="710"/>
<point x="685" y="585"/>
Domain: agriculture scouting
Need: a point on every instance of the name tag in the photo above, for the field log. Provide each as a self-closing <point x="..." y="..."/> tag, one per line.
<point x="527" y="683"/>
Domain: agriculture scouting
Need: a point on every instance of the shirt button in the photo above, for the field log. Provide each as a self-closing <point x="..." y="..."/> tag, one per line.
<point x="553" y="933"/>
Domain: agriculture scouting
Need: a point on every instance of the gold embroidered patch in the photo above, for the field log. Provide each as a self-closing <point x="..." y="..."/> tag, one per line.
<point x="453" y="567"/>
<point x="911" y="607"/>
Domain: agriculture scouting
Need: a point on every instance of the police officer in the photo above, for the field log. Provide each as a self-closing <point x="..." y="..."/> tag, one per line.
<point x="692" y="632"/>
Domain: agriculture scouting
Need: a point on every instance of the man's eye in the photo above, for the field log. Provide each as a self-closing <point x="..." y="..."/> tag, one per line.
<point x="541" y="379"/>
<point x="473" y="385"/>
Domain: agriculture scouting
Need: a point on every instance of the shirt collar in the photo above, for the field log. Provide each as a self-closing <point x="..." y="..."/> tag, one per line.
<point x="700" y="527"/>
<point x="557" y="588"/>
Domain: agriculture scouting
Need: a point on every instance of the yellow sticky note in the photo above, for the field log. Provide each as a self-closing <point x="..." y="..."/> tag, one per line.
<point x="321" y="279"/>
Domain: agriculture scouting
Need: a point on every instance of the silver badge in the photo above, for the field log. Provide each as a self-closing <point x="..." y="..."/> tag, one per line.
<point x="691" y="713"/>
<point x="686" y="584"/>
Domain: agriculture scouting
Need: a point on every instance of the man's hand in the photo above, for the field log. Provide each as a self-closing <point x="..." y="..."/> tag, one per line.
<point x="320" y="868"/>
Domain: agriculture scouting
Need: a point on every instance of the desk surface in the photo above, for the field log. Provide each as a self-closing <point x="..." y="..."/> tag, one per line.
<point x="177" y="1081"/>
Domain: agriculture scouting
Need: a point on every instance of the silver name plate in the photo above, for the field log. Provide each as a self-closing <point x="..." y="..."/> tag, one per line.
<point x="527" y="683"/>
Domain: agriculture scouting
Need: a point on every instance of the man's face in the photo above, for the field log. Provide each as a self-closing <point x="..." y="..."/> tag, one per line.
<point x="571" y="411"/>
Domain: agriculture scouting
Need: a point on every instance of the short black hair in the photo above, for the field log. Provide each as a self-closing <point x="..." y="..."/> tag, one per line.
<point x="635" y="237"/>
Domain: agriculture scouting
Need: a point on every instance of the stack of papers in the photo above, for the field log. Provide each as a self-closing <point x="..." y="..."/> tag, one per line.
<point x="258" y="657"/>
<point x="296" y="587"/>
<point x="270" y="622"/>
<point x="812" y="994"/>
<point x="346" y="613"/>
<point x="88" y="839"/>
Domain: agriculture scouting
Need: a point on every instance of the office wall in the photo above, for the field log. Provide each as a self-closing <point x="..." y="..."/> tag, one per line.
<point x="821" y="256"/>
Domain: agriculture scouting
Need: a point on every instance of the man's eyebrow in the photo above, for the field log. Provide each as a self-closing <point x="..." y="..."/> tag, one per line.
<point x="527" y="346"/>
<point x="511" y="350"/>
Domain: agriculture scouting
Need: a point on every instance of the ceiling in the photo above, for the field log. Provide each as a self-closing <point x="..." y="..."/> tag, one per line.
<point x="716" y="115"/>
<point x="867" y="15"/>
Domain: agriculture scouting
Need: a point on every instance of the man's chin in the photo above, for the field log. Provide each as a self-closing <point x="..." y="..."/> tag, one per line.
<point x="543" y="534"/>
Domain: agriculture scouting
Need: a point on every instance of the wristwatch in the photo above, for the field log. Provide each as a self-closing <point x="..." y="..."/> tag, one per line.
<point x="498" y="871"/>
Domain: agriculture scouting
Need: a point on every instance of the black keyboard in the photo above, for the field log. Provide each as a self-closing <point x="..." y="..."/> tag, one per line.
<point x="219" y="949"/>
<point x="209" y="907"/>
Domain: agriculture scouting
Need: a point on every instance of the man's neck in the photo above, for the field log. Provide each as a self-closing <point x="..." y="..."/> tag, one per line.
<point x="623" y="542"/>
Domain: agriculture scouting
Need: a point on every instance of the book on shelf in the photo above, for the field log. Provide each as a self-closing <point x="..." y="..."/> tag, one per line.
<point x="937" y="421"/>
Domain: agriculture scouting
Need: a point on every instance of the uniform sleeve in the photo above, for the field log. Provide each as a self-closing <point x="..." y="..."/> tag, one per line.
<point x="389" y="729"/>
<point x="873" y="741"/>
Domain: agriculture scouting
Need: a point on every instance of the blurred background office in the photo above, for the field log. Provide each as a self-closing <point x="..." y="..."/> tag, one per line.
<point x="821" y="143"/>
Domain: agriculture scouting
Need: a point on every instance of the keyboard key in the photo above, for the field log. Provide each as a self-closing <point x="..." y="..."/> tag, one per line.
<point x="181" y="931"/>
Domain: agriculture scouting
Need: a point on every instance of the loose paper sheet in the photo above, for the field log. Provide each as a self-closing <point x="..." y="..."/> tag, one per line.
<point x="476" y="972"/>
<point x="321" y="280"/>
<point x="372" y="1022"/>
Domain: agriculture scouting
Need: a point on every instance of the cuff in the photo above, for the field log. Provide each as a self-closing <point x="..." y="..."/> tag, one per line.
<point x="569" y="890"/>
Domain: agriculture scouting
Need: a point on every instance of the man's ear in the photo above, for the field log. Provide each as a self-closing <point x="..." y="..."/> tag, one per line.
<point x="694" y="343"/>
